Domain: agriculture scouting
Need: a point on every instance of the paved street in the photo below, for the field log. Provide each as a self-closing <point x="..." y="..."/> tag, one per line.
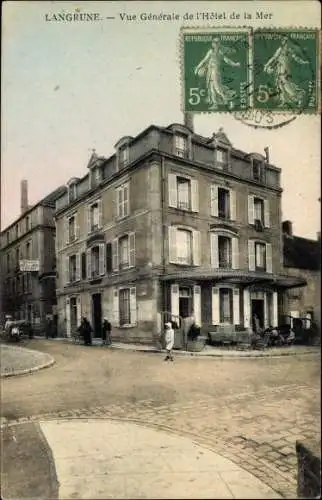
<point x="248" y="410"/>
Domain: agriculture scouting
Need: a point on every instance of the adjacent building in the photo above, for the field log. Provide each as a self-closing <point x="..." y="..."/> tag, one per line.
<point x="29" y="261"/>
<point x="175" y="222"/>
<point x="302" y="259"/>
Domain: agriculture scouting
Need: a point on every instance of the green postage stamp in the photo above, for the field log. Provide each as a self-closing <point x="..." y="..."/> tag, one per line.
<point x="216" y="69"/>
<point x="286" y="70"/>
<point x="235" y="69"/>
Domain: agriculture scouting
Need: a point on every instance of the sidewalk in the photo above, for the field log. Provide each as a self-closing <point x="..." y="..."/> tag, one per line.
<point x="209" y="351"/>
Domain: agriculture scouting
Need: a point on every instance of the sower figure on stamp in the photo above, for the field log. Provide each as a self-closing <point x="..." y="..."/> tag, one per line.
<point x="169" y="341"/>
<point x="279" y="66"/>
<point x="210" y="67"/>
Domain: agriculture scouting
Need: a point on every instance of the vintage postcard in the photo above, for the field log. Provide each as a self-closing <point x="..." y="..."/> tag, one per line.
<point x="160" y="318"/>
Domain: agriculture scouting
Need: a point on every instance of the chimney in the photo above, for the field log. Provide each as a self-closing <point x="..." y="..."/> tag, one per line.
<point x="287" y="228"/>
<point x="267" y="153"/>
<point x="188" y="121"/>
<point x="23" y="196"/>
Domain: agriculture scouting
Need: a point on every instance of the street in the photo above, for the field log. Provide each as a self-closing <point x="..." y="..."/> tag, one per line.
<point x="249" y="410"/>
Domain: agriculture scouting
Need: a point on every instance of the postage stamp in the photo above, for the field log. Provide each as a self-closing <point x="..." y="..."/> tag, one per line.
<point x="215" y="69"/>
<point x="286" y="70"/>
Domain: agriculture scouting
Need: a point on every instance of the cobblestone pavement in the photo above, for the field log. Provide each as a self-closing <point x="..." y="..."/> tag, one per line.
<point x="249" y="410"/>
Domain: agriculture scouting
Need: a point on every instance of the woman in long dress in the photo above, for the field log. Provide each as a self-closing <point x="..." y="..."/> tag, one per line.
<point x="210" y="67"/>
<point x="279" y="66"/>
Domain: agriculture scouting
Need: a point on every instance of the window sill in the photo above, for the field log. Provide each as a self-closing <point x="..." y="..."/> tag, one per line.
<point x="119" y="218"/>
<point x="128" y="326"/>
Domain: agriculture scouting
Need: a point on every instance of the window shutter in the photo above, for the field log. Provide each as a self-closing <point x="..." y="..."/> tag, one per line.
<point x="89" y="219"/>
<point x="101" y="263"/>
<point x="89" y="263"/>
<point x="251" y="210"/>
<point x="214" y="250"/>
<point x="236" y="306"/>
<point x="66" y="226"/>
<point x="68" y="332"/>
<point x="196" y="248"/>
<point x="79" y="311"/>
<point x="172" y="190"/>
<point x="274" y="313"/>
<point x="78" y="267"/>
<point x="194" y="195"/>
<point x="235" y="253"/>
<point x="251" y="255"/>
<point x="175" y="302"/>
<point x="115" y="254"/>
<point x="215" y="306"/>
<point x="131" y="249"/>
<point x="126" y="197"/>
<point x="266" y="214"/>
<point x="232" y="199"/>
<point x="214" y="200"/>
<point x="100" y="213"/>
<point x="133" y="315"/>
<point x="116" y="307"/>
<point x="77" y="232"/>
<point x="247" y="318"/>
<point x="197" y="304"/>
<point x="66" y="269"/>
<point x="269" y="263"/>
<point x="172" y="244"/>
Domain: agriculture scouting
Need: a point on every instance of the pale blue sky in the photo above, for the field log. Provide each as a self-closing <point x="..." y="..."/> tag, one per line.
<point x="47" y="134"/>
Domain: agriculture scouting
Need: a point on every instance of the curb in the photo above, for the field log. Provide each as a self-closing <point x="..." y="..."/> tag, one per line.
<point x="216" y="355"/>
<point x="27" y="371"/>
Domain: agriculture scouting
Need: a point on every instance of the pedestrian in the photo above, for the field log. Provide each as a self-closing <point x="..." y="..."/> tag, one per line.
<point x="106" y="332"/>
<point x="169" y="341"/>
<point x="86" y="331"/>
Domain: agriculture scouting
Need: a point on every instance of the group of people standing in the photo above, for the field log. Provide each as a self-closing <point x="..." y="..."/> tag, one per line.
<point x="86" y="331"/>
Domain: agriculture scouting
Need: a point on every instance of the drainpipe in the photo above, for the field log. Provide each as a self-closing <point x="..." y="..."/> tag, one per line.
<point x="163" y="227"/>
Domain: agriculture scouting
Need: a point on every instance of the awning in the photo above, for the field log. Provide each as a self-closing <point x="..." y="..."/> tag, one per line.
<point x="241" y="277"/>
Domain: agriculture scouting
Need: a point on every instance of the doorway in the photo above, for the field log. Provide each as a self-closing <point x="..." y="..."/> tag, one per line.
<point x="97" y="314"/>
<point x="73" y="315"/>
<point x="185" y="302"/>
<point x="258" y="310"/>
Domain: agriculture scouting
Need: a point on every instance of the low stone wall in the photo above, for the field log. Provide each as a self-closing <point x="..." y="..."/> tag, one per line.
<point x="309" y="469"/>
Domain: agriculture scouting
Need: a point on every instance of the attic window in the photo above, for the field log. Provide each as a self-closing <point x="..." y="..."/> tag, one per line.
<point x="72" y="193"/>
<point x="257" y="171"/>
<point x="124" y="156"/>
<point x="221" y="158"/>
<point x="95" y="176"/>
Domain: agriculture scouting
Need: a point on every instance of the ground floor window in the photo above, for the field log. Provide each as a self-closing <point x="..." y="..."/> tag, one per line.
<point x="226" y="305"/>
<point x="124" y="307"/>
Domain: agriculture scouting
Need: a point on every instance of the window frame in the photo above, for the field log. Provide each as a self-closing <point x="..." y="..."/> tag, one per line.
<point x="222" y="289"/>
<point x="189" y="232"/>
<point x="121" y="189"/>
<point x="227" y="215"/>
<point x="70" y="257"/>
<point x="264" y="247"/>
<point x="222" y="163"/>
<point x="181" y="152"/>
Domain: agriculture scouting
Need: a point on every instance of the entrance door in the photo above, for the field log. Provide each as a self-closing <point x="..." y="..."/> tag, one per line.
<point x="257" y="311"/>
<point x="73" y="315"/>
<point x="97" y="314"/>
<point x="185" y="302"/>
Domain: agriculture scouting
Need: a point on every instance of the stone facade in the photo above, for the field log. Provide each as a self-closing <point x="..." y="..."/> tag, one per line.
<point x="30" y="293"/>
<point x="172" y="222"/>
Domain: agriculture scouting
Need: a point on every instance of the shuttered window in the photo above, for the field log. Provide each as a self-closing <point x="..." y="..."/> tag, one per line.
<point x="183" y="193"/>
<point x="122" y="201"/>
<point x="123" y="252"/>
<point x="127" y="307"/>
<point x="184" y="246"/>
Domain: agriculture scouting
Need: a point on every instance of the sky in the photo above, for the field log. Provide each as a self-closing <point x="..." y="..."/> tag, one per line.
<point x="68" y="87"/>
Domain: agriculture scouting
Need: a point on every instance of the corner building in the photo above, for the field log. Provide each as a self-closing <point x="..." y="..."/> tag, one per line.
<point x="171" y="222"/>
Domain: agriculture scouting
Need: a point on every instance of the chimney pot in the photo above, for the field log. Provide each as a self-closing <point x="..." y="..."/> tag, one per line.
<point x="287" y="227"/>
<point x="23" y="196"/>
<point x="188" y="121"/>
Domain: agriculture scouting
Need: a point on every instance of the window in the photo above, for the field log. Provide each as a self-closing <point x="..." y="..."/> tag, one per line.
<point x="95" y="176"/>
<point x="224" y="252"/>
<point x="28" y="250"/>
<point x="122" y="194"/>
<point x="95" y="259"/>
<point x="257" y="171"/>
<point x="123" y="252"/>
<point x="223" y="203"/>
<point x="8" y="263"/>
<point x="259" y="210"/>
<point x="72" y="268"/>
<point x="123" y="156"/>
<point x="260" y="256"/>
<point x="184" y="193"/>
<point x="71" y="229"/>
<point x="109" y="257"/>
<point x="124" y="304"/>
<point x="181" y="146"/>
<point x="221" y="158"/>
<point x="17" y="256"/>
<point x="8" y="238"/>
<point x="17" y="231"/>
<point x="83" y="265"/>
<point x="184" y="247"/>
<point x="226" y="305"/>
<point x="27" y="223"/>
<point x="72" y="193"/>
<point x="94" y="217"/>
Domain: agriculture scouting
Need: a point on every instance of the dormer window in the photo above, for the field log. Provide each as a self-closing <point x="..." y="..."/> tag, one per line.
<point x="221" y="158"/>
<point x="95" y="176"/>
<point x="72" y="193"/>
<point x="257" y="171"/>
<point x="181" y="146"/>
<point x="124" y="156"/>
